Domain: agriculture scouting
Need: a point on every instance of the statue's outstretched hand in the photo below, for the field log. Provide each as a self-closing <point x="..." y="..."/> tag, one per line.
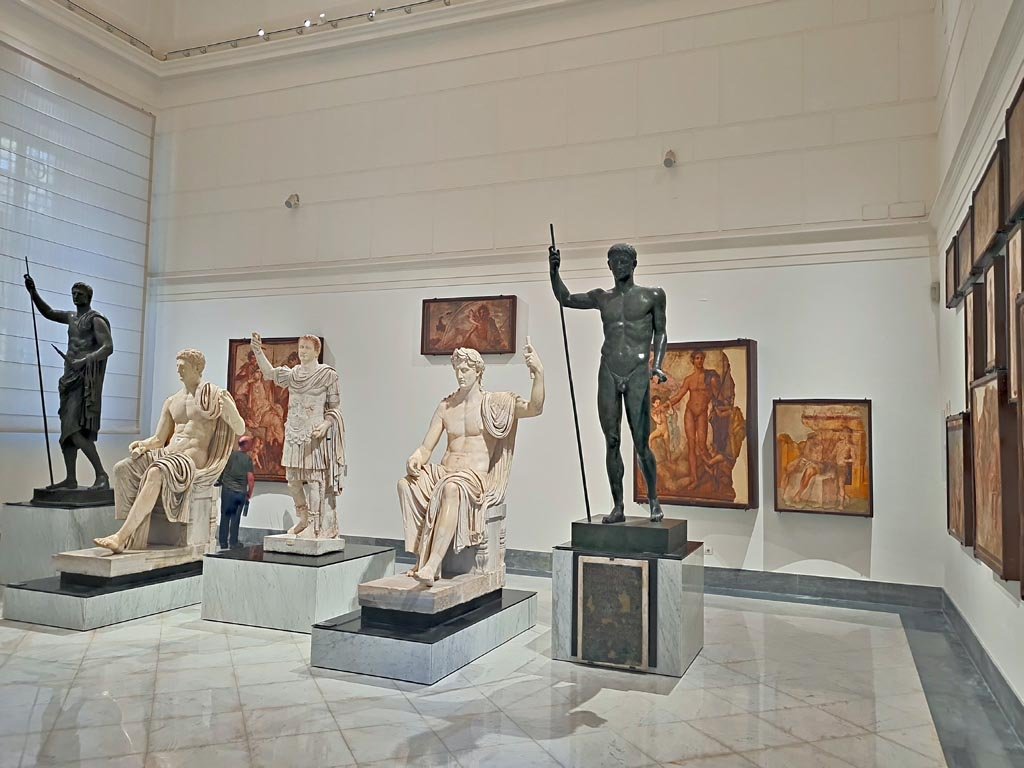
<point x="532" y="359"/>
<point x="256" y="343"/>
<point x="554" y="258"/>
<point x="30" y="284"/>
<point x="660" y="375"/>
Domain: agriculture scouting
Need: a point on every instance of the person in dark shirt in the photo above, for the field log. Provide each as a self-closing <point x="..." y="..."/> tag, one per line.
<point x="237" y="482"/>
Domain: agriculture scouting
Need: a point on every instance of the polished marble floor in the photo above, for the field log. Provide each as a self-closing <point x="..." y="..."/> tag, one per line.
<point x="778" y="685"/>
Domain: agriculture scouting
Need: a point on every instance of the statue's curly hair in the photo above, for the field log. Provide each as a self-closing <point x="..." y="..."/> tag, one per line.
<point x="314" y="340"/>
<point x="471" y="356"/>
<point x="194" y="357"/>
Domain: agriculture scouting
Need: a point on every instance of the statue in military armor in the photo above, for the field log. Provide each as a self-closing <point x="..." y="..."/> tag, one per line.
<point x="314" y="437"/>
<point x="81" y="385"/>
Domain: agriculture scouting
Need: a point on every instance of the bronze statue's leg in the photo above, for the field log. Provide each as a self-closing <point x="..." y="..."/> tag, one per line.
<point x="142" y="507"/>
<point x="88" y="447"/>
<point x="70" y="454"/>
<point x="444" y="532"/>
<point x="638" y="416"/>
<point x="609" y="410"/>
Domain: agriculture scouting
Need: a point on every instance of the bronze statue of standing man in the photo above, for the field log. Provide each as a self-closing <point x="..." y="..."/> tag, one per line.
<point x="81" y="386"/>
<point x="634" y="320"/>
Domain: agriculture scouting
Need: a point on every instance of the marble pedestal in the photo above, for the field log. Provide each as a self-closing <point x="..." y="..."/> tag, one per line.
<point x="677" y="610"/>
<point x="283" y="591"/>
<point x="421" y="654"/>
<point x="291" y="544"/>
<point x="29" y="536"/>
<point x="79" y="602"/>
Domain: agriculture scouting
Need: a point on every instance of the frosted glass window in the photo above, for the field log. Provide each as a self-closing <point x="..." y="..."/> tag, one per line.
<point x="74" y="198"/>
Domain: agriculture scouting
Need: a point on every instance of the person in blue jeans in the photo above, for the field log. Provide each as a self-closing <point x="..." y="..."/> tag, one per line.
<point x="237" y="482"/>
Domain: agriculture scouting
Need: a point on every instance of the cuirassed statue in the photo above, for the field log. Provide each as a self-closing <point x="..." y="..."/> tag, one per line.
<point x="314" y="437"/>
<point x="198" y="428"/>
<point x="444" y="505"/>
<point x="81" y="385"/>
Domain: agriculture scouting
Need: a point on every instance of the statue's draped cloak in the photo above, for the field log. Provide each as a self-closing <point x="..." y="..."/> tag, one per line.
<point x="81" y="392"/>
<point x="180" y="475"/>
<point x="476" y="492"/>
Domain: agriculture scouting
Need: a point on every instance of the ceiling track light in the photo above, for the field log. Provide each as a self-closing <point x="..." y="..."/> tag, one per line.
<point x="260" y="32"/>
<point x="371" y="15"/>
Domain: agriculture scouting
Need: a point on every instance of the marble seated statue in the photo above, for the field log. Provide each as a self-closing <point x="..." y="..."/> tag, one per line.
<point x="172" y="473"/>
<point x="453" y="510"/>
<point x="314" y="447"/>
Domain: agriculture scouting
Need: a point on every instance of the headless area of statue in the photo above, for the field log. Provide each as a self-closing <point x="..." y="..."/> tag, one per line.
<point x="81" y="396"/>
<point x="314" y="449"/>
<point x="453" y="511"/>
<point x="634" y="322"/>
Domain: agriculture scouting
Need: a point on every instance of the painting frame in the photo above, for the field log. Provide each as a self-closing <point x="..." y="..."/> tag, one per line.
<point x="953" y="294"/>
<point x="965" y="252"/>
<point x="974" y="336"/>
<point x="1014" y="287"/>
<point x="1015" y="157"/>
<point x="749" y="412"/>
<point x="869" y="453"/>
<point x="988" y="203"/>
<point x="996" y="316"/>
<point x="961" y="421"/>
<point x="506" y="345"/>
<point x="275" y="347"/>
<point x="1003" y="555"/>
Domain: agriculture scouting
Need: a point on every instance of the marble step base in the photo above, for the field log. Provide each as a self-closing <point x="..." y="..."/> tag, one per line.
<point x="54" y="603"/>
<point x="286" y="591"/>
<point x="676" y="609"/>
<point x="297" y="545"/>
<point x="422" y="656"/>
<point x="404" y="593"/>
<point x="30" y="535"/>
<point x="98" y="561"/>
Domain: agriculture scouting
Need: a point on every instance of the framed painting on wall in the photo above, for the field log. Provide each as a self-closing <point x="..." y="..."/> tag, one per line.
<point x="1015" y="156"/>
<point x="996" y="316"/>
<point x="974" y="335"/>
<point x="965" y="252"/>
<point x="988" y="203"/>
<point x="261" y="403"/>
<point x="994" y="458"/>
<point x="1014" y="273"/>
<point x="952" y="280"/>
<point x="484" y="323"/>
<point x="959" y="479"/>
<point x="823" y="457"/>
<point x="704" y="426"/>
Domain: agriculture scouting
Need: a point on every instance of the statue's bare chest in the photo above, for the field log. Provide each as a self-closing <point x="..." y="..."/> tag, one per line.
<point x="464" y="420"/>
<point x="628" y="307"/>
<point x="184" y="408"/>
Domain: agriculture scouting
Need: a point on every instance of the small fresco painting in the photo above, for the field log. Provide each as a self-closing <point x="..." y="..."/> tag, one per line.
<point x="484" y="323"/>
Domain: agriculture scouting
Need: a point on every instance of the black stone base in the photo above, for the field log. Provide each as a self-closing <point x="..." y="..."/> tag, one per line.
<point x="72" y="497"/>
<point x="256" y="554"/>
<point x="82" y="585"/>
<point x="386" y="618"/>
<point x="496" y="603"/>
<point x="635" y="536"/>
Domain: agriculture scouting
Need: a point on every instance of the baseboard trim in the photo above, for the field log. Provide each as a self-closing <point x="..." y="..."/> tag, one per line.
<point x="1004" y="695"/>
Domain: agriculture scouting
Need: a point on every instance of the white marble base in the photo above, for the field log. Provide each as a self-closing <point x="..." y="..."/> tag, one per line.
<point x="291" y="544"/>
<point x="420" y="662"/>
<point x="292" y="597"/>
<point x="55" y="609"/>
<point x="404" y="593"/>
<point x="680" y="616"/>
<point x="30" y="535"/>
<point x="98" y="561"/>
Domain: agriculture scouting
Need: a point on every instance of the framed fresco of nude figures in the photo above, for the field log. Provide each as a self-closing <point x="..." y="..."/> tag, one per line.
<point x="704" y="426"/>
<point x="996" y="506"/>
<point x="959" y="479"/>
<point x="823" y="457"/>
<point x="262" y="404"/>
<point x="484" y="323"/>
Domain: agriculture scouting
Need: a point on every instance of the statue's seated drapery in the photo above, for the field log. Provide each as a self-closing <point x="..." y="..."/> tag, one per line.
<point x="182" y="479"/>
<point x="421" y="497"/>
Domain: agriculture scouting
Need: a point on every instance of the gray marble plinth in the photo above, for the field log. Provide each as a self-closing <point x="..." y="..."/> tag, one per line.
<point x="679" y="622"/>
<point x="297" y="545"/>
<point x="392" y="655"/>
<point x="290" y="592"/>
<point x="29" y="536"/>
<point x="56" y="608"/>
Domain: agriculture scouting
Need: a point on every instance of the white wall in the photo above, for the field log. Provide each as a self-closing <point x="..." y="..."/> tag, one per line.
<point x="982" y="66"/>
